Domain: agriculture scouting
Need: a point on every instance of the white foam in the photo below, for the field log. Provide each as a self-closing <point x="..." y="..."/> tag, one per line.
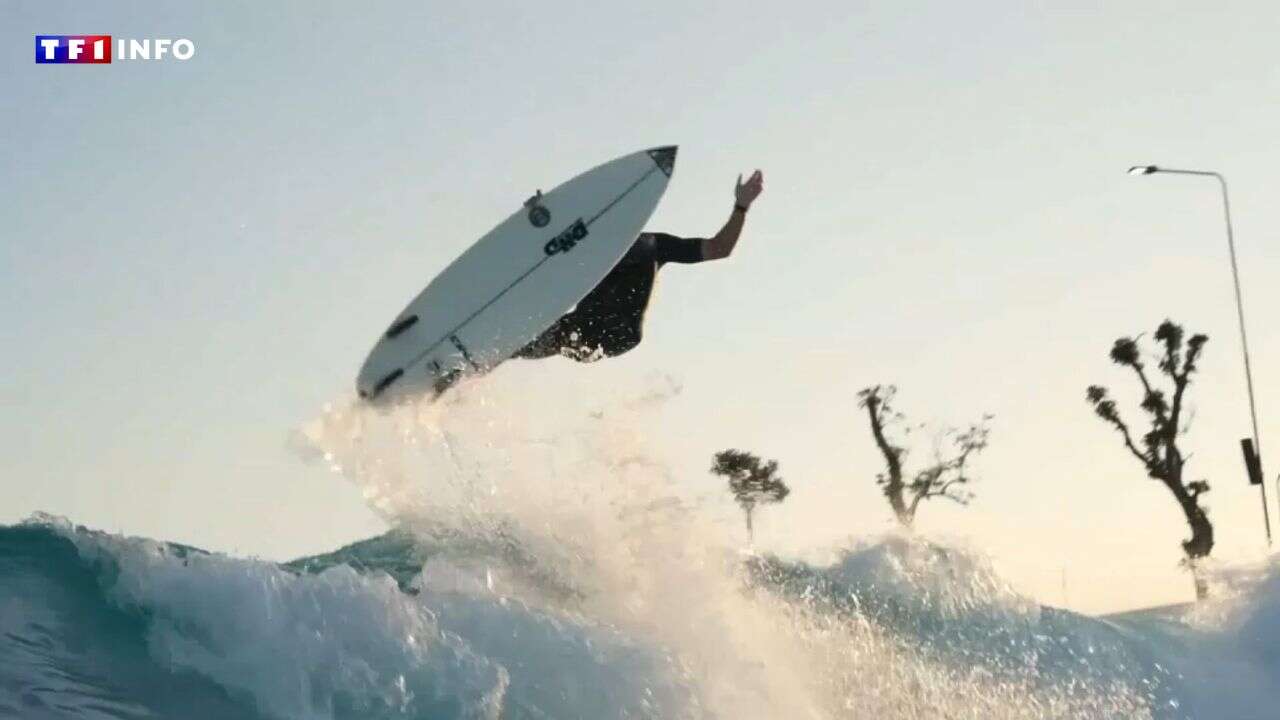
<point x="575" y="485"/>
<point x="301" y="646"/>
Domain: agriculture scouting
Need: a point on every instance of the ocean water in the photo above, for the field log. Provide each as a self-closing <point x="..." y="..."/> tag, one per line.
<point x="544" y="565"/>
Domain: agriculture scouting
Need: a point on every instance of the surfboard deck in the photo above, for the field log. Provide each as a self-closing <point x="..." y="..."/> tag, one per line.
<point x="517" y="279"/>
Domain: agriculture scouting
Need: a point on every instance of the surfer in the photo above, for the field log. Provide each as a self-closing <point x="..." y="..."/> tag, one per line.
<point x="608" y="321"/>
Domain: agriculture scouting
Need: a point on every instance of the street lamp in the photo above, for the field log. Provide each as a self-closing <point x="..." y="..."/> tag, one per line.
<point x="1252" y="452"/>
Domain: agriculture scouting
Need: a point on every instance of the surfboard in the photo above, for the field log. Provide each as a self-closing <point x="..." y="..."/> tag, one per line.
<point x="517" y="279"/>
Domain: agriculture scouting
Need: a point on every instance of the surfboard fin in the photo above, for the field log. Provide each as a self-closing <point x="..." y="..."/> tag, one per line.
<point x="466" y="354"/>
<point x="401" y="325"/>
<point x="383" y="384"/>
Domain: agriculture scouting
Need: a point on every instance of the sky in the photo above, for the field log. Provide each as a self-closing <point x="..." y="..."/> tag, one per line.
<point x="195" y="256"/>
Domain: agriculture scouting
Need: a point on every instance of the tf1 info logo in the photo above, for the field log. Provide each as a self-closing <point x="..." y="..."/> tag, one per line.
<point x="97" y="49"/>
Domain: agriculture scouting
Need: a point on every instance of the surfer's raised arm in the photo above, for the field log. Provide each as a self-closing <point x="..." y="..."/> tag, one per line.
<point x="722" y="243"/>
<point x="609" y="321"/>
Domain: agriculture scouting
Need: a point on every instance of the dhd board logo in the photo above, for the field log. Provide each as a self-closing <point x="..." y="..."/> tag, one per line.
<point x="97" y="49"/>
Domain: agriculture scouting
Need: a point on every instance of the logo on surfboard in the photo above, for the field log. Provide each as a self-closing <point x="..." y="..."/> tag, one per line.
<point x="567" y="240"/>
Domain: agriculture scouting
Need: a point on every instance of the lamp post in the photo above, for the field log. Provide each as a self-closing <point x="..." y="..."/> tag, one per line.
<point x="1252" y="453"/>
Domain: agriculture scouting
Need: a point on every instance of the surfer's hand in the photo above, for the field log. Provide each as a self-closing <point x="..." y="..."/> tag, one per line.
<point x="746" y="193"/>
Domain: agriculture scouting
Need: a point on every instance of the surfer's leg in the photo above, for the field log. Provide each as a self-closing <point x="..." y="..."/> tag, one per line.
<point x="607" y="336"/>
<point x="573" y="346"/>
<point x="610" y="329"/>
<point x="621" y="339"/>
<point x="547" y="344"/>
<point x="540" y="348"/>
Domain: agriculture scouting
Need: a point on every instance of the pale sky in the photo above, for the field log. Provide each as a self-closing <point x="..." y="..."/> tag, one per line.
<point x="196" y="256"/>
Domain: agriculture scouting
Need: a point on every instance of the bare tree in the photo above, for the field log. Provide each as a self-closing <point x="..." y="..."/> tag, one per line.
<point x="1158" y="449"/>
<point x="752" y="482"/>
<point x="946" y="476"/>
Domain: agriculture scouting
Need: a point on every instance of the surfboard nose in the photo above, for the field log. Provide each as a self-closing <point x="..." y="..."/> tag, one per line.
<point x="665" y="158"/>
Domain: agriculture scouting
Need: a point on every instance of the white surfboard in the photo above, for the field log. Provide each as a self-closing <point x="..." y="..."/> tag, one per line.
<point x="514" y="282"/>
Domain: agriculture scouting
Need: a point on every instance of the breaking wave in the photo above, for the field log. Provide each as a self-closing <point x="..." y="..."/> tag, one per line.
<point x="543" y="564"/>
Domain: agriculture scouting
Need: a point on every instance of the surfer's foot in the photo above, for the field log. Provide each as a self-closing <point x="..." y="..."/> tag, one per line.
<point x="582" y="354"/>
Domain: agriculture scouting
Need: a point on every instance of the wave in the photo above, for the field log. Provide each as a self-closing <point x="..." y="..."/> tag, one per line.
<point x="412" y="625"/>
<point x="547" y="565"/>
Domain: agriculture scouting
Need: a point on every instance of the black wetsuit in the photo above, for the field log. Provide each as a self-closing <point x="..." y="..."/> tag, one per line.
<point x="609" y="320"/>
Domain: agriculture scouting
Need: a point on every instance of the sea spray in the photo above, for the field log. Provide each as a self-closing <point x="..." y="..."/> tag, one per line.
<point x="546" y="560"/>
<point x="587" y="498"/>
<point x="589" y="503"/>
